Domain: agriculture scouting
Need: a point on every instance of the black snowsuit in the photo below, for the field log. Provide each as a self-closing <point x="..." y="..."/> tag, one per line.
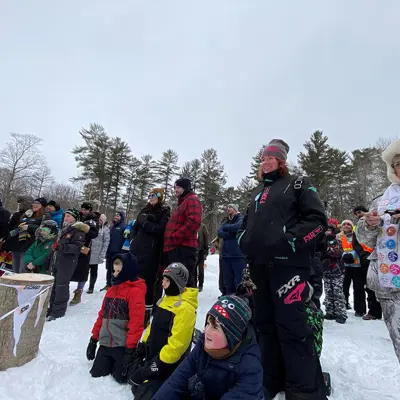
<point x="81" y="272"/>
<point x="66" y="259"/>
<point x="284" y="218"/>
<point x="146" y="244"/>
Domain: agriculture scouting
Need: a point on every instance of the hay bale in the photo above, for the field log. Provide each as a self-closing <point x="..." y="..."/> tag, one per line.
<point x="23" y="305"/>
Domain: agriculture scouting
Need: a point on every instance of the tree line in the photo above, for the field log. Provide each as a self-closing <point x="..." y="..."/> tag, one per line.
<point x="113" y="178"/>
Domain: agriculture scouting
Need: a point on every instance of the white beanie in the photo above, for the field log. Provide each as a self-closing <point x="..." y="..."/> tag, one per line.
<point x="388" y="156"/>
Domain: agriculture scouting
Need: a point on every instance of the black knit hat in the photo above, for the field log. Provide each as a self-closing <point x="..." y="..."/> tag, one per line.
<point x="184" y="183"/>
<point x="74" y="212"/>
<point x="87" y="206"/>
<point x="42" y="201"/>
<point x="54" y="204"/>
<point x="360" y="208"/>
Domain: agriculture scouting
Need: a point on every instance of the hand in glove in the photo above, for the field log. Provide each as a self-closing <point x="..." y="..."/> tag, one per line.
<point x="141" y="219"/>
<point x="348" y="258"/>
<point x="156" y="369"/>
<point x="141" y="351"/>
<point x="91" y="349"/>
<point x="128" y="360"/>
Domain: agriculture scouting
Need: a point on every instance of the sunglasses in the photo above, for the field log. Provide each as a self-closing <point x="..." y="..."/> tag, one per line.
<point x="152" y="196"/>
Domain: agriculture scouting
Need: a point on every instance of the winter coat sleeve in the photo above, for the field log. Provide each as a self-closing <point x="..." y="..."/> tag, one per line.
<point x="157" y="229"/>
<point x="28" y="257"/>
<point x="175" y="388"/>
<point x="367" y="235"/>
<point x="242" y="228"/>
<point x="4" y="220"/>
<point x="249" y="385"/>
<point x="137" y="308"/>
<point x="99" y="321"/>
<point x="93" y="229"/>
<point x="32" y="227"/>
<point x="360" y="250"/>
<point x="181" y="336"/>
<point x="234" y="228"/>
<point x="106" y="242"/>
<point x="192" y="221"/>
<point x="222" y="234"/>
<point x="14" y="221"/>
<point x="39" y="261"/>
<point x="312" y="220"/>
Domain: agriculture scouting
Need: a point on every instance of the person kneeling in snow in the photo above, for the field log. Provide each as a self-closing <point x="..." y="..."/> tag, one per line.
<point x="168" y="338"/>
<point x="120" y="322"/>
<point x="226" y="362"/>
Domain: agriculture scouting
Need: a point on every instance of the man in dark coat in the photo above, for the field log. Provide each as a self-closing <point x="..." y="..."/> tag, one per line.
<point x="180" y="239"/>
<point x="117" y="240"/>
<point x="81" y="272"/>
<point x="4" y="220"/>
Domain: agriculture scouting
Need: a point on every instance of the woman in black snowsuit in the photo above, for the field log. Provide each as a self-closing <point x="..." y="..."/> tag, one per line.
<point x="283" y="221"/>
<point x="147" y="241"/>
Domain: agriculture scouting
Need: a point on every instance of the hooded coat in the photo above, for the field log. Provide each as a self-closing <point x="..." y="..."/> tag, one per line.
<point x="120" y="322"/>
<point x="99" y="247"/>
<point x="57" y="216"/>
<point x="117" y="235"/>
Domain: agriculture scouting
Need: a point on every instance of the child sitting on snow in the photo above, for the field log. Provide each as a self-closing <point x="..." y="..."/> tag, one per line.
<point x="226" y="362"/>
<point x="119" y="324"/>
<point x="168" y="338"/>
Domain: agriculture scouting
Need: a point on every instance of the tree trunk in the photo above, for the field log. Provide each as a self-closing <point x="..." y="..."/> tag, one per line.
<point x="21" y="331"/>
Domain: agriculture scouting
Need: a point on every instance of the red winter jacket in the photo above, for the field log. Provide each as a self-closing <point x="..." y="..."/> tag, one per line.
<point x="120" y="322"/>
<point x="182" y="227"/>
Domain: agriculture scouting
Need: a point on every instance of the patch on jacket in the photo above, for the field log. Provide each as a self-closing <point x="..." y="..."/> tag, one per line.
<point x="115" y="308"/>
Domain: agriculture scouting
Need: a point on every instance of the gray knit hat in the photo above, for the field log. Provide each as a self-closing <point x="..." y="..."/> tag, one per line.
<point x="277" y="148"/>
<point x="234" y="206"/>
<point x="178" y="273"/>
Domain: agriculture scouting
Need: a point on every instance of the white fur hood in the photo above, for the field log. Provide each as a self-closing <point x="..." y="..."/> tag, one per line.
<point x="387" y="156"/>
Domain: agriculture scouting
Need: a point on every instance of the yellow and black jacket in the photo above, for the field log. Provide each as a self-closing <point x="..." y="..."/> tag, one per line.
<point x="170" y="334"/>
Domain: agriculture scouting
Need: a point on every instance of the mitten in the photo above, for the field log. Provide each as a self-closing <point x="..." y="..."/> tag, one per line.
<point x="141" y="219"/>
<point x="128" y="360"/>
<point x="348" y="258"/>
<point x="91" y="349"/>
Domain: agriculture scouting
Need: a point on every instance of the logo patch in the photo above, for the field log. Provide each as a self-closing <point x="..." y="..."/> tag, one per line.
<point x="288" y="286"/>
<point x="295" y="295"/>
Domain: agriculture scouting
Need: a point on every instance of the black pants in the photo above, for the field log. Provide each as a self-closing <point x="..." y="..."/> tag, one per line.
<point x="148" y="272"/>
<point x="109" y="266"/>
<point x="357" y="276"/>
<point x="374" y="308"/>
<point x="109" y="360"/>
<point x="147" y="390"/>
<point x="93" y="271"/>
<point x="289" y="357"/>
<point x="60" y="291"/>
<point x="187" y="256"/>
<point x="199" y="270"/>
<point x="221" y="283"/>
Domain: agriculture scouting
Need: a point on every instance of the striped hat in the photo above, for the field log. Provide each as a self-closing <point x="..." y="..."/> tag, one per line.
<point x="234" y="315"/>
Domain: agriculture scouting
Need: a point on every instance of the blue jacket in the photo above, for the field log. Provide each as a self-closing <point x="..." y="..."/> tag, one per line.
<point x="227" y="232"/>
<point x="117" y="235"/>
<point x="57" y="216"/>
<point x="238" y="377"/>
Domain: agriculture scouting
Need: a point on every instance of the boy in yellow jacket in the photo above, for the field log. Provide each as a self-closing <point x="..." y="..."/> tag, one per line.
<point x="167" y="340"/>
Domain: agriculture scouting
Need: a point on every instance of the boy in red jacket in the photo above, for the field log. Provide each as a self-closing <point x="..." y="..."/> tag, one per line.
<point x="120" y="323"/>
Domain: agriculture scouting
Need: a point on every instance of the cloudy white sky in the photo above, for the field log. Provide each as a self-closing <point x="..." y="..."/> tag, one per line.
<point x="189" y="75"/>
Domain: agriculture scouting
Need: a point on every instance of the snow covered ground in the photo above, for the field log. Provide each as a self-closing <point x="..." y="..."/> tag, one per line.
<point x="359" y="356"/>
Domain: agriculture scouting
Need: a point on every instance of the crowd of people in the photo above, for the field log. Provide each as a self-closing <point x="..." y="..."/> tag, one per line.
<point x="263" y="335"/>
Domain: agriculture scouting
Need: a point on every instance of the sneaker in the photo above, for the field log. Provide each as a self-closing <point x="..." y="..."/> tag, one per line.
<point x="341" y="320"/>
<point x="90" y="291"/>
<point x="369" y="317"/>
<point x="329" y="317"/>
<point x="358" y="315"/>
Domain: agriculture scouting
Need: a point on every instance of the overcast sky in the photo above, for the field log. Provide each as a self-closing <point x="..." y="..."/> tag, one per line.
<point x="229" y="74"/>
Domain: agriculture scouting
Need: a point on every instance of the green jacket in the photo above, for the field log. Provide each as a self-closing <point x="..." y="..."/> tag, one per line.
<point x="37" y="253"/>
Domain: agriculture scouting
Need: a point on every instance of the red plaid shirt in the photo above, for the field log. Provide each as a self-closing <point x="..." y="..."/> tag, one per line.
<point x="182" y="227"/>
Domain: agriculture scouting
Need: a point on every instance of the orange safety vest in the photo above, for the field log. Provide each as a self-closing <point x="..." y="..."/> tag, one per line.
<point x="346" y="246"/>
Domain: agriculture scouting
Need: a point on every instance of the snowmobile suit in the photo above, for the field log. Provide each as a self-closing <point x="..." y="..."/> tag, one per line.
<point x="284" y="219"/>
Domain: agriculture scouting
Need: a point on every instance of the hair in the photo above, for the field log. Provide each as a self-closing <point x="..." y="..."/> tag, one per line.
<point x="38" y="214"/>
<point x="283" y="170"/>
<point x="360" y="208"/>
<point x="212" y="320"/>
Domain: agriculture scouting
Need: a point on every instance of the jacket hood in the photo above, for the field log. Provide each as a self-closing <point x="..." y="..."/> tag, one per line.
<point x="122" y="214"/>
<point x="139" y="283"/>
<point x="130" y="268"/>
<point x="25" y="202"/>
<point x="58" y="212"/>
<point x="387" y="156"/>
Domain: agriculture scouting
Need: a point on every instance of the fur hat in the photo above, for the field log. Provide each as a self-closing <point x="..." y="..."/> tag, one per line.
<point x="388" y="155"/>
<point x="25" y="202"/>
<point x="277" y="148"/>
<point x="234" y="315"/>
<point x="159" y="192"/>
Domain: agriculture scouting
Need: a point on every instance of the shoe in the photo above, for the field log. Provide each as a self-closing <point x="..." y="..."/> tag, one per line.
<point x="51" y="318"/>
<point x="200" y="289"/>
<point x="105" y="288"/>
<point x="90" y="291"/>
<point x="369" y="317"/>
<point x="341" y="320"/>
<point x="328" y="384"/>
<point x="77" y="297"/>
<point x="348" y="306"/>
<point x="358" y="315"/>
<point x="329" y="317"/>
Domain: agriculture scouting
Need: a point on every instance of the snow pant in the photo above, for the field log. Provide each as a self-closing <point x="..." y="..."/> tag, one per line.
<point x="60" y="291"/>
<point x="187" y="256"/>
<point x="93" y="271"/>
<point x="221" y="283"/>
<point x="146" y="390"/>
<point x="148" y="272"/>
<point x="357" y="276"/>
<point x="335" y="302"/>
<point x="374" y="307"/>
<point x="199" y="270"/>
<point x="289" y="358"/>
<point x="391" y="315"/>
<point x="109" y="267"/>
<point x="109" y="360"/>
<point x="18" y="264"/>
<point x="232" y="268"/>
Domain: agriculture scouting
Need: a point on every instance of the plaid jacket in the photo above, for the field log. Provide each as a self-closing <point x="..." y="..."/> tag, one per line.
<point x="182" y="227"/>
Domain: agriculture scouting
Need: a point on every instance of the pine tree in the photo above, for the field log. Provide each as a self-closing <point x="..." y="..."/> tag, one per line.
<point x="167" y="169"/>
<point x="244" y="190"/>
<point x="133" y="166"/>
<point x="192" y="171"/>
<point x="145" y="180"/>
<point x="255" y="164"/>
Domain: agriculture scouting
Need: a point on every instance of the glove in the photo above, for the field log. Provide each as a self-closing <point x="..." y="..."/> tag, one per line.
<point x="127" y="232"/>
<point x="156" y="369"/>
<point x="151" y="218"/>
<point x="91" y="349"/>
<point x="140" y="352"/>
<point x="348" y="258"/>
<point x="141" y="219"/>
<point x="128" y="361"/>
